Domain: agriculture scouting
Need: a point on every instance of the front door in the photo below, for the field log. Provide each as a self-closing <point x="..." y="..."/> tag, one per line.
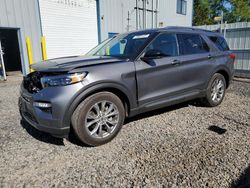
<point x="158" y="79"/>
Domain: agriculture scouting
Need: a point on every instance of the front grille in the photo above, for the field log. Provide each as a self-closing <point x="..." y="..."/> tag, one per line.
<point x="32" y="82"/>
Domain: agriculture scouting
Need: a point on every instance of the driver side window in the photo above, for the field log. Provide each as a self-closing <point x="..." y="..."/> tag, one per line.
<point x="166" y="44"/>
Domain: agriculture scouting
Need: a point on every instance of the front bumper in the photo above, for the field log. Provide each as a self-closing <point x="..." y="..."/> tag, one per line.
<point x="52" y="121"/>
<point x="28" y="115"/>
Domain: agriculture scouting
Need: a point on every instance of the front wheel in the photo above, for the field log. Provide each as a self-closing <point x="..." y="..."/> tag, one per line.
<point x="98" y="119"/>
<point x="216" y="90"/>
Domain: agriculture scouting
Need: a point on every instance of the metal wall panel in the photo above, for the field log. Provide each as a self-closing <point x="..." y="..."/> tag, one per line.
<point x="114" y="15"/>
<point x="238" y="38"/>
<point x="70" y="27"/>
<point x="23" y="15"/>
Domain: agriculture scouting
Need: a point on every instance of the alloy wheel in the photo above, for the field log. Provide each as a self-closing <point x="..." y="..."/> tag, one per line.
<point x="102" y="119"/>
<point x="217" y="91"/>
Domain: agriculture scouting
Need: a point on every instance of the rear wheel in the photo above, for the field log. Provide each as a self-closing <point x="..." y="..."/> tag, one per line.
<point x="98" y="119"/>
<point x="216" y="90"/>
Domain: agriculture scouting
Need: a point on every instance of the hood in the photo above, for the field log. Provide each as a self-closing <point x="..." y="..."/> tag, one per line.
<point x="69" y="63"/>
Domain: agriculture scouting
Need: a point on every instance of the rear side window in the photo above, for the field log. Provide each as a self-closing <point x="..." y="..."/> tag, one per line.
<point x="220" y="42"/>
<point x="166" y="44"/>
<point x="192" y="44"/>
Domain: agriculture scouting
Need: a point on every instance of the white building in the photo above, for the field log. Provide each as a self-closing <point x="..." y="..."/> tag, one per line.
<point x="119" y="16"/>
<point x="73" y="27"/>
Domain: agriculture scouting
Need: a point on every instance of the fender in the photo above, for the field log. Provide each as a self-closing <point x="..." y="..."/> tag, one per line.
<point x="218" y="69"/>
<point x="92" y="88"/>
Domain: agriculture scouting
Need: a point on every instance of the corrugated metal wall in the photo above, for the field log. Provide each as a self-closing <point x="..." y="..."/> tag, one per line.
<point x="23" y="14"/>
<point x="71" y="24"/>
<point x="238" y="38"/>
<point x="114" y="15"/>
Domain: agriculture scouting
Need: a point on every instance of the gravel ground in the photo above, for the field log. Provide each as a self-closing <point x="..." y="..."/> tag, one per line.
<point x="181" y="146"/>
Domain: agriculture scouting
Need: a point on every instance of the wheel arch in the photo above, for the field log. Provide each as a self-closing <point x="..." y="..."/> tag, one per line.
<point x="224" y="73"/>
<point x="118" y="90"/>
<point x="119" y="93"/>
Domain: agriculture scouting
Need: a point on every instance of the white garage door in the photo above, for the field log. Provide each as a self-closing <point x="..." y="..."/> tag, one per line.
<point x="70" y="26"/>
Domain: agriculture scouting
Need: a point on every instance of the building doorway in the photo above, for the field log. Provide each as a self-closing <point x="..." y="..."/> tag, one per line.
<point x="11" y="50"/>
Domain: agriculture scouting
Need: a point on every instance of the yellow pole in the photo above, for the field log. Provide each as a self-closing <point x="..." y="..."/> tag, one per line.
<point x="44" y="52"/>
<point x="107" y="50"/>
<point x="29" y="50"/>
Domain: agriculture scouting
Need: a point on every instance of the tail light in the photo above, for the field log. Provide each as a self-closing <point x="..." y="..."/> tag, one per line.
<point x="232" y="56"/>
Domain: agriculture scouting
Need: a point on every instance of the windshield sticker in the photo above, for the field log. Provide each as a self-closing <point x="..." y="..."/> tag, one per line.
<point x="141" y="36"/>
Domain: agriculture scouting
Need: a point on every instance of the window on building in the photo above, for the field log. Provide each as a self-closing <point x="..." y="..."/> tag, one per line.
<point x="220" y="43"/>
<point x="182" y="7"/>
<point x="192" y="44"/>
<point x="166" y="44"/>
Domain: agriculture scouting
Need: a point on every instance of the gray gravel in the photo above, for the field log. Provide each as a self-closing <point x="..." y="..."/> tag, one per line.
<point x="181" y="146"/>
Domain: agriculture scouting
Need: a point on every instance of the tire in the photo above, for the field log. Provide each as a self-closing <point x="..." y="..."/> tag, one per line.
<point x="95" y="108"/>
<point x="210" y="100"/>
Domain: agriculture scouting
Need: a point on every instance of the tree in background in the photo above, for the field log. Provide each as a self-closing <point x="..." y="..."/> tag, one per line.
<point x="201" y="13"/>
<point x="240" y="10"/>
<point x="233" y="10"/>
<point x="206" y="10"/>
<point x="217" y="7"/>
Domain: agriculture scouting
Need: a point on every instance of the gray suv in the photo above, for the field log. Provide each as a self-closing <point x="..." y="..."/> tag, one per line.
<point x="126" y="75"/>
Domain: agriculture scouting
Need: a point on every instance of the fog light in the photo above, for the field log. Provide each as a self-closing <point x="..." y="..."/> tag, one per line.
<point x="42" y="104"/>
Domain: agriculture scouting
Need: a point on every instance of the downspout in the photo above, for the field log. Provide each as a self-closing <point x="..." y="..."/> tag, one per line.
<point x="98" y="20"/>
<point x="156" y="13"/>
<point x="42" y="37"/>
<point x="152" y="13"/>
<point x="192" y="16"/>
<point x="146" y="18"/>
<point x="137" y="15"/>
<point x="144" y="14"/>
<point x="40" y="18"/>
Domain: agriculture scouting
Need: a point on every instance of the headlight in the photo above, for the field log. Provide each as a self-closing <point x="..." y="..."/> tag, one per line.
<point x="62" y="80"/>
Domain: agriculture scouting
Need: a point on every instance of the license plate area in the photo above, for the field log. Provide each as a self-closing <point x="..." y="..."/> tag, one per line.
<point x="26" y="103"/>
<point x="26" y="109"/>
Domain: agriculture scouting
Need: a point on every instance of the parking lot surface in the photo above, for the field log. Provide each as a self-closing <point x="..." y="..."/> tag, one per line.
<point x="185" y="145"/>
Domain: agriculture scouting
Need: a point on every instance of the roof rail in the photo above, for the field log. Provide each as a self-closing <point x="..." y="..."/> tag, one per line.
<point x="187" y="28"/>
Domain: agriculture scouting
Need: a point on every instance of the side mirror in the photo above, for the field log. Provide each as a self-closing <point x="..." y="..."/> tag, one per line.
<point x="123" y="41"/>
<point x="152" y="54"/>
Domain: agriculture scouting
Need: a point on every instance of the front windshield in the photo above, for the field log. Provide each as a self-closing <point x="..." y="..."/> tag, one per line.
<point x="121" y="46"/>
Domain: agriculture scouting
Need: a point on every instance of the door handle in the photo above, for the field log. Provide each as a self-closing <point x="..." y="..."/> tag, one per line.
<point x="176" y="62"/>
<point x="1" y="52"/>
<point x="209" y="56"/>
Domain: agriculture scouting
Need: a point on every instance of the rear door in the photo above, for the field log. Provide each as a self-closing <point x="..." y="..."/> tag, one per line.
<point x="158" y="79"/>
<point x="197" y="62"/>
